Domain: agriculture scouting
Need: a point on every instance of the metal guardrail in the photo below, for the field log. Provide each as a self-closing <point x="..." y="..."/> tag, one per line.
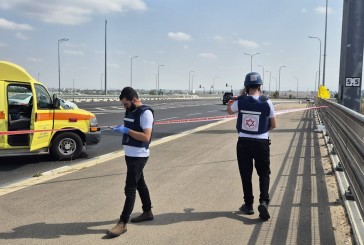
<point x="88" y="98"/>
<point x="346" y="130"/>
<point x="114" y="97"/>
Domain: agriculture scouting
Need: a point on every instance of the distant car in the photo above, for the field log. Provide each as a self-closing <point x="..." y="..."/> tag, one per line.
<point x="309" y="100"/>
<point x="67" y="105"/>
<point x="226" y="97"/>
<point x="20" y="99"/>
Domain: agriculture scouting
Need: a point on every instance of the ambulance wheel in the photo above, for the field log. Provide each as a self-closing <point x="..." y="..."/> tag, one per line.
<point x="66" y="146"/>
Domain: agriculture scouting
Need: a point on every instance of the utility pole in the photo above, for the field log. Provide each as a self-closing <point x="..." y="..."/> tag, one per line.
<point x="105" y="58"/>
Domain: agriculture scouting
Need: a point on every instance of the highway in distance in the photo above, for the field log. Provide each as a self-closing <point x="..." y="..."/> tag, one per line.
<point x="13" y="169"/>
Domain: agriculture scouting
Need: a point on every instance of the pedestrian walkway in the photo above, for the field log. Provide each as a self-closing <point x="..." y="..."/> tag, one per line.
<point x="196" y="192"/>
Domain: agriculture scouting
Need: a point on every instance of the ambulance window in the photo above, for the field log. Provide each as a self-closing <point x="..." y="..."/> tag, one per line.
<point x="19" y="94"/>
<point x="44" y="101"/>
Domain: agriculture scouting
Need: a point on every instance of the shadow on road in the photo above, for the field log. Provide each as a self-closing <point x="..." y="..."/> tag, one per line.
<point x="42" y="230"/>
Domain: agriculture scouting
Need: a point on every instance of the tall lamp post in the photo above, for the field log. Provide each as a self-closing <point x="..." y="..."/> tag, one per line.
<point x="59" y="65"/>
<point x="279" y="77"/>
<point x="251" y="60"/>
<point x="158" y="75"/>
<point x="193" y="75"/>
<point x="131" y="70"/>
<point x="213" y="84"/>
<point x="263" y="77"/>
<point x="319" y="78"/>
<point x="297" y="87"/>
<point x="270" y="78"/>
<point x="189" y="81"/>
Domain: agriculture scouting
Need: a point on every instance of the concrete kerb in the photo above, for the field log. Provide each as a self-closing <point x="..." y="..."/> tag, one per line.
<point x="49" y="175"/>
<point x="351" y="206"/>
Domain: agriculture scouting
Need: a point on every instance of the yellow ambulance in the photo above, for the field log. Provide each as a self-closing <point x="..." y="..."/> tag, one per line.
<point x="33" y="122"/>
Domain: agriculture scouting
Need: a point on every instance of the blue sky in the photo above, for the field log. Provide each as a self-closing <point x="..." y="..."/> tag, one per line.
<point x="208" y="37"/>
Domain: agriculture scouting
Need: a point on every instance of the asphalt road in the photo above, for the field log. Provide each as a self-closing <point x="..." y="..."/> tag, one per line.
<point x="196" y="191"/>
<point x="13" y="169"/>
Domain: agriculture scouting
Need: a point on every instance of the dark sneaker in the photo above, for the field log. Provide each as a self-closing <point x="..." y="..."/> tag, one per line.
<point x="145" y="216"/>
<point x="263" y="211"/>
<point x="118" y="229"/>
<point x="247" y="209"/>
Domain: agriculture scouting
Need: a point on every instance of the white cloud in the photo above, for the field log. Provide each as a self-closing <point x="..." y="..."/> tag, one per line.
<point x="322" y="10"/>
<point x="186" y="47"/>
<point x="68" y="12"/>
<point x="2" y="45"/>
<point x="304" y="10"/>
<point x="6" y="24"/>
<point x="247" y="44"/>
<point x="179" y="36"/>
<point x="21" y="36"/>
<point x="208" y="55"/>
<point x="74" y="52"/>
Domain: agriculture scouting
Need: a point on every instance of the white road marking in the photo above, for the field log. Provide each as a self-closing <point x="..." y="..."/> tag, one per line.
<point x="199" y="113"/>
<point x="169" y="118"/>
<point x="49" y="175"/>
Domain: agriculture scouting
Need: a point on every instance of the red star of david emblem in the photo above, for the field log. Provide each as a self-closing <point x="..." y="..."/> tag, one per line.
<point x="249" y="123"/>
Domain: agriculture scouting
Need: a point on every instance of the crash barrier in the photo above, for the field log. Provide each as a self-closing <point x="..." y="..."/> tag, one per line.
<point x="114" y="97"/>
<point x="345" y="129"/>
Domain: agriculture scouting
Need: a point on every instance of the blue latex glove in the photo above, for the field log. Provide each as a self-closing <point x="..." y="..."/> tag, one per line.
<point x="121" y="129"/>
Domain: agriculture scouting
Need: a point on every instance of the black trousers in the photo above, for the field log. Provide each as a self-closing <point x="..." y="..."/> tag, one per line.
<point x="248" y="150"/>
<point x="135" y="181"/>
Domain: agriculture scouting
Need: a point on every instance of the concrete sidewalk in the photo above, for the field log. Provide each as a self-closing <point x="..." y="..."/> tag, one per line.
<point x="196" y="192"/>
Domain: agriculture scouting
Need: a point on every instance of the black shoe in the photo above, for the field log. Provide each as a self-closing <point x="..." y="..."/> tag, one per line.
<point x="145" y="216"/>
<point x="247" y="209"/>
<point x="263" y="211"/>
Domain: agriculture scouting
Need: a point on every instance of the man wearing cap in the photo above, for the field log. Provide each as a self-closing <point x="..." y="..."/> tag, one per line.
<point x="256" y="118"/>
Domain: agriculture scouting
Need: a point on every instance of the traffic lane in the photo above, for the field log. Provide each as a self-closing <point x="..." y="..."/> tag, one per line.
<point x="111" y="141"/>
<point x="13" y="169"/>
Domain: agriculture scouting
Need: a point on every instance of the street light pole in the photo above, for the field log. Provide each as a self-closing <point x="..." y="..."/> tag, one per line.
<point x="279" y="85"/>
<point x="270" y="78"/>
<point x="59" y="65"/>
<point x="319" y="79"/>
<point x="189" y="81"/>
<point x="158" y="75"/>
<point x="193" y="75"/>
<point x="297" y="87"/>
<point x="263" y="77"/>
<point x="251" y="60"/>
<point x="131" y="70"/>
<point x="213" y="84"/>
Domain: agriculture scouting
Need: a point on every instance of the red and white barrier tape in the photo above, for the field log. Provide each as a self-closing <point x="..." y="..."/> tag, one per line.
<point x="186" y="120"/>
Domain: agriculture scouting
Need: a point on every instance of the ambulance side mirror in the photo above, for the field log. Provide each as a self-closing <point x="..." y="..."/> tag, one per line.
<point x="56" y="102"/>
